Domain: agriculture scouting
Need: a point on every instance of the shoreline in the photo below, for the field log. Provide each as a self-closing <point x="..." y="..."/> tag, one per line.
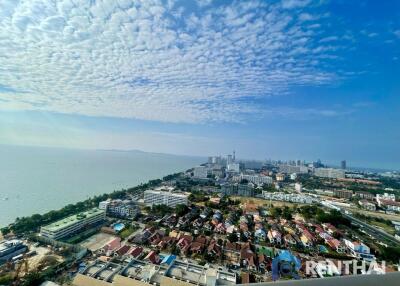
<point x="34" y="221"/>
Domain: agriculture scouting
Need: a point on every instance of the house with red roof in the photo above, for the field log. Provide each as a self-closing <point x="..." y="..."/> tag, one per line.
<point x="289" y="240"/>
<point x="122" y="250"/>
<point x="232" y="253"/>
<point x="220" y="228"/>
<point x="166" y="241"/>
<point x="248" y="257"/>
<point x="336" y="245"/>
<point x="331" y="229"/>
<point x="274" y="236"/>
<point x="111" y="246"/>
<point x="135" y="251"/>
<point x="153" y="257"/>
<point x="214" y="249"/>
<point x="184" y="243"/>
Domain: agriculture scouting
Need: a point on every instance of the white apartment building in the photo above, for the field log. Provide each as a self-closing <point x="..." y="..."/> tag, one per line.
<point x="200" y="172"/>
<point x="385" y="196"/>
<point x="168" y="198"/>
<point x="233" y="167"/>
<point x="119" y="208"/>
<point x="293" y="169"/>
<point x="256" y="179"/>
<point x="298" y="188"/>
<point x="72" y="224"/>
<point x="294" y="198"/>
<point x="104" y="205"/>
<point x="329" y="173"/>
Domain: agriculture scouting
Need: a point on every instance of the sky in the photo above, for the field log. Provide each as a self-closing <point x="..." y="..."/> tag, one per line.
<point x="288" y="79"/>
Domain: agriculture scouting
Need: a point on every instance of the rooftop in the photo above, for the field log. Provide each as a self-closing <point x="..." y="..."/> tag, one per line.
<point x="167" y="192"/>
<point x="71" y="220"/>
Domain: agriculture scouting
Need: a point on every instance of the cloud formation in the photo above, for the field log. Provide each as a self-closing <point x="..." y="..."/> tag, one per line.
<point x="158" y="60"/>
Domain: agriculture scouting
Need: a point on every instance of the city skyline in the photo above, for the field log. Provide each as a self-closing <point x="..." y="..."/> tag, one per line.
<point x="270" y="79"/>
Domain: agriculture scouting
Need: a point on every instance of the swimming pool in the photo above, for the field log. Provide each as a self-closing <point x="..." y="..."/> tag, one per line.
<point x="118" y="227"/>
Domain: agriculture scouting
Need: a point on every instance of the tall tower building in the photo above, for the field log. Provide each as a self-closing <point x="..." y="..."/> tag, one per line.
<point x="343" y="164"/>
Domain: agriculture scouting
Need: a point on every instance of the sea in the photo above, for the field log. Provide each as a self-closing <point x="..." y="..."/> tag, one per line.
<point x="40" y="179"/>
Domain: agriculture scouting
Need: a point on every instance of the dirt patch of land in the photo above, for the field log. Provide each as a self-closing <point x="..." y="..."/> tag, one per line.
<point x="262" y="202"/>
<point x="97" y="241"/>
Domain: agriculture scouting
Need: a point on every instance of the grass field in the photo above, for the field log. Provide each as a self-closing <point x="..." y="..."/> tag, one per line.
<point x="374" y="214"/>
<point x="127" y="232"/>
<point x="262" y="202"/>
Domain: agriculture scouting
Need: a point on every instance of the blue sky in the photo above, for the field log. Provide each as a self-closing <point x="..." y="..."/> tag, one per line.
<point x="289" y="79"/>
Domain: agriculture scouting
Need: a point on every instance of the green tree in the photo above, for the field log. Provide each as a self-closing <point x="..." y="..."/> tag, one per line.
<point x="275" y="212"/>
<point x="391" y="254"/>
<point x="287" y="213"/>
<point x="232" y="237"/>
<point x="181" y="210"/>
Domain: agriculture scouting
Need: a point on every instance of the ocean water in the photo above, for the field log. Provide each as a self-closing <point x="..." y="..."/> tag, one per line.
<point x="37" y="180"/>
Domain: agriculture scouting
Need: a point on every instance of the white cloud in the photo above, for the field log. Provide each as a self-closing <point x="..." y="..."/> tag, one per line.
<point x="290" y="4"/>
<point x="307" y="17"/>
<point x="329" y="39"/>
<point x="147" y="60"/>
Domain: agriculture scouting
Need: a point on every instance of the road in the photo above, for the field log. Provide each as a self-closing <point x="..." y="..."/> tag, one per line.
<point x="377" y="233"/>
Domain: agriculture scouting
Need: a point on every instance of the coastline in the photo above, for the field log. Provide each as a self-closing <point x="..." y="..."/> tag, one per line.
<point x="35" y="221"/>
<point x="38" y="180"/>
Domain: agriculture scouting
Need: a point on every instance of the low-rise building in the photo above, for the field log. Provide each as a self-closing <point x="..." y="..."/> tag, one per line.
<point x="294" y="198"/>
<point x="120" y="208"/>
<point x="390" y="205"/>
<point x="274" y="236"/>
<point x="10" y="249"/>
<point x="356" y="246"/>
<point x="346" y="194"/>
<point x="365" y="195"/>
<point x="168" y="198"/>
<point x="72" y="224"/>
<point x="329" y="173"/>
<point x="245" y="190"/>
<point x="385" y="197"/>
<point x="367" y="205"/>
<point x="285" y="168"/>
<point x="256" y="179"/>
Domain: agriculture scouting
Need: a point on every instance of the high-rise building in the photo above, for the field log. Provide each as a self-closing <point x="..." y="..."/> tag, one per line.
<point x="343" y="164"/>
<point x="200" y="172"/>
